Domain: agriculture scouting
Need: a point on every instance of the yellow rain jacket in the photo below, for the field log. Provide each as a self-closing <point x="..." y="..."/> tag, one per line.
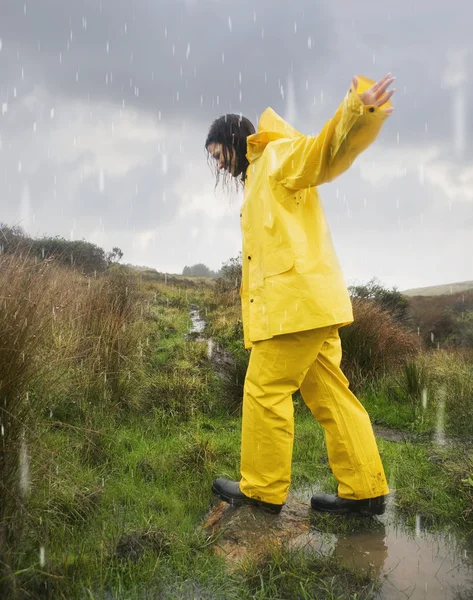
<point x="291" y="277"/>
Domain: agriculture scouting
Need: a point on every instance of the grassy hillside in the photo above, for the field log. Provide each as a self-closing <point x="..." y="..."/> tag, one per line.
<point x="114" y="424"/>
<point x="440" y="290"/>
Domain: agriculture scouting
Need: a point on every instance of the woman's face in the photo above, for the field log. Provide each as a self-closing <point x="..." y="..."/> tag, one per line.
<point x="216" y="151"/>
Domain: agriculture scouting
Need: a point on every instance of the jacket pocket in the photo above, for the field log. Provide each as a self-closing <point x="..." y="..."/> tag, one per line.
<point x="277" y="262"/>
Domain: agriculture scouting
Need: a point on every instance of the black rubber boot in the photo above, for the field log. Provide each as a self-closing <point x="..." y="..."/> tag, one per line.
<point x="341" y="506"/>
<point x="229" y="491"/>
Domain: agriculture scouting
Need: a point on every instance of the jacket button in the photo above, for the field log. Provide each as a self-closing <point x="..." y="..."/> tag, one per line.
<point x="241" y="214"/>
<point x="372" y="109"/>
<point x="251" y="300"/>
<point x="249" y="257"/>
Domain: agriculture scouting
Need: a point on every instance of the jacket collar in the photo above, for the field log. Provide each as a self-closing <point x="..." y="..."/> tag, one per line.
<point x="271" y="127"/>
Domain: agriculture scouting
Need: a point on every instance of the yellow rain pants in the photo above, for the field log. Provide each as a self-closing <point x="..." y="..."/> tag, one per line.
<point x="309" y="361"/>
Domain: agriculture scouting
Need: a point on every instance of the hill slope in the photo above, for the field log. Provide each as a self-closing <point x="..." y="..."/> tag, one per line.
<point x="439" y="290"/>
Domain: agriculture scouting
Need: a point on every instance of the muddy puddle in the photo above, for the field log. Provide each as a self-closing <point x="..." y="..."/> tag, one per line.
<point x="197" y="324"/>
<point x="218" y="355"/>
<point x="410" y="562"/>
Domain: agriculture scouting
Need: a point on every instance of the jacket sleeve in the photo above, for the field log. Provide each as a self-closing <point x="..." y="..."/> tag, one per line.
<point x="310" y="161"/>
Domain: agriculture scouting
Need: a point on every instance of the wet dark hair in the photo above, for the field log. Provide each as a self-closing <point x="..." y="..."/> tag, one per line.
<point x="231" y="131"/>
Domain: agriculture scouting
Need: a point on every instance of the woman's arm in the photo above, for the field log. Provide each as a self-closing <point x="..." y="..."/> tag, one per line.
<point x="310" y="161"/>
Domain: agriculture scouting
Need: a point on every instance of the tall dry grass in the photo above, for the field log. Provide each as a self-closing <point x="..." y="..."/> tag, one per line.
<point x="375" y="344"/>
<point x="26" y="294"/>
<point x="66" y="342"/>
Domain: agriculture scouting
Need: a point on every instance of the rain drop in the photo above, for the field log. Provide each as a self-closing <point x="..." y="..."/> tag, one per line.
<point x="424" y="398"/>
<point x="230" y="27"/>
<point x="4" y="108"/>
<point x="19" y="166"/>
<point x="51" y="113"/>
<point x="42" y="556"/>
<point x="309" y="42"/>
<point x="107" y="47"/>
<point x="101" y="180"/>
<point x="421" y="174"/>
<point x="188" y="51"/>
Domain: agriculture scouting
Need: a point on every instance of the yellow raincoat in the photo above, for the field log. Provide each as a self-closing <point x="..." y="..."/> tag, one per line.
<point x="291" y="277"/>
<point x="292" y="285"/>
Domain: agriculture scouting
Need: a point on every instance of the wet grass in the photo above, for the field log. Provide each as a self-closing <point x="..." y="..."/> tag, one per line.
<point x="118" y="492"/>
<point x="136" y="519"/>
<point x="136" y="516"/>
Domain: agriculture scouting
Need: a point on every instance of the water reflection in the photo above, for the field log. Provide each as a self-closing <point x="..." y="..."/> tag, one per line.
<point x="410" y="561"/>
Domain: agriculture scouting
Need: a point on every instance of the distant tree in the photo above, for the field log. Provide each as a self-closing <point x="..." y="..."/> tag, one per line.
<point x="11" y="237"/>
<point x="77" y="253"/>
<point x="114" y="256"/>
<point x="198" y="270"/>
<point x="230" y="275"/>
<point x="391" y="300"/>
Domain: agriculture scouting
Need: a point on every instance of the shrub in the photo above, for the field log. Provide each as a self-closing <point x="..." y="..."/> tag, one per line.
<point x="374" y="344"/>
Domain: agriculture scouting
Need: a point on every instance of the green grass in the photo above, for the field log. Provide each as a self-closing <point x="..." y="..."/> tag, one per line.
<point x="119" y="496"/>
<point x="136" y="517"/>
<point x="131" y="524"/>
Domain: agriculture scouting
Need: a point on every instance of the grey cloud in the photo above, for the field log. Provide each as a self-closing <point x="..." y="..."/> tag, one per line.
<point x="149" y="43"/>
<point x="413" y="39"/>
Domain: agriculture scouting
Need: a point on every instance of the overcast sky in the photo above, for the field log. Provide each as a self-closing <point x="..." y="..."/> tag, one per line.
<point x="105" y="106"/>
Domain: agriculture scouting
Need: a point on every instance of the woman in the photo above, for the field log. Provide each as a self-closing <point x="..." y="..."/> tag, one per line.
<point x="294" y="300"/>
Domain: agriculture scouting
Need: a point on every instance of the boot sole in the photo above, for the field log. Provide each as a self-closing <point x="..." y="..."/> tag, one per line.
<point x="274" y="509"/>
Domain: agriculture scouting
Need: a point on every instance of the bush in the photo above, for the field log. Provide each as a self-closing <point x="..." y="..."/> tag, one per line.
<point x="374" y="344"/>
